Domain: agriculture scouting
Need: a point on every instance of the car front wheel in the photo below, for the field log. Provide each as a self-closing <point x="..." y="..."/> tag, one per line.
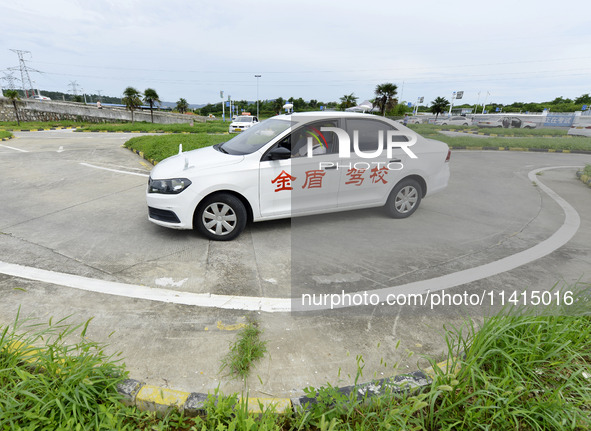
<point x="404" y="199"/>
<point x="221" y="217"/>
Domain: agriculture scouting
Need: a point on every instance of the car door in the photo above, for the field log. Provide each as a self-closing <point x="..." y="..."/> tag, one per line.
<point x="275" y="183"/>
<point x="305" y="183"/>
<point x="367" y="180"/>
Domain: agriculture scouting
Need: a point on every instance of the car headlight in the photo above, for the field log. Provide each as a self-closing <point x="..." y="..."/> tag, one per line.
<point x="172" y="186"/>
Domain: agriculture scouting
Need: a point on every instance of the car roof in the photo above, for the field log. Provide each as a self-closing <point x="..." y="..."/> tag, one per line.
<point x="328" y="114"/>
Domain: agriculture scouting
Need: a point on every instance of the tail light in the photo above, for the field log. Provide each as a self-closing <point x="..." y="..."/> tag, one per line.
<point x="448" y="156"/>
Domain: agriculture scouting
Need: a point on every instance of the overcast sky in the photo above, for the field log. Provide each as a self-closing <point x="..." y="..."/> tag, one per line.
<point x="517" y="50"/>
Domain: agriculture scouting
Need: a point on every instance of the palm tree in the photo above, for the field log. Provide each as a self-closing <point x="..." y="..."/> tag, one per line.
<point x="438" y="106"/>
<point x="348" y="100"/>
<point x="278" y="105"/>
<point x="151" y="97"/>
<point x="182" y="105"/>
<point x="386" y="96"/>
<point x="131" y="99"/>
<point x="13" y="95"/>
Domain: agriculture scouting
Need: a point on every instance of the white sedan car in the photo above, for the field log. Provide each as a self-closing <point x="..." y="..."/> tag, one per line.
<point x="506" y="122"/>
<point x="296" y="165"/>
<point x="454" y="121"/>
<point x="242" y="122"/>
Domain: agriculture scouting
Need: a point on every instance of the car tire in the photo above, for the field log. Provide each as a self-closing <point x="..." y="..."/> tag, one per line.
<point x="404" y="199"/>
<point x="527" y="127"/>
<point x="465" y="124"/>
<point x="444" y="124"/>
<point x="220" y="217"/>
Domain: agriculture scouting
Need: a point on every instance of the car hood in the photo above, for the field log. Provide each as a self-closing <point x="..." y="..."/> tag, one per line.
<point x="184" y="164"/>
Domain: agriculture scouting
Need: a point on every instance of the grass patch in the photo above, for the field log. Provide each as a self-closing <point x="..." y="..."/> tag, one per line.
<point x="4" y="134"/>
<point x="519" y="372"/>
<point x="211" y="126"/>
<point x="587" y="170"/>
<point x="215" y="126"/>
<point x="57" y="385"/>
<point x="559" y="142"/>
<point x="574" y="143"/>
<point x="29" y="125"/>
<point x="514" y="371"/>
<point x="160" y="147"/>
<point x="245" y="351"/>
<point x="424" y="129"/>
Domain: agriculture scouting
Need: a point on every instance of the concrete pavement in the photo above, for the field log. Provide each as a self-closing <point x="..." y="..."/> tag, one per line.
<point x="62" y="215"/>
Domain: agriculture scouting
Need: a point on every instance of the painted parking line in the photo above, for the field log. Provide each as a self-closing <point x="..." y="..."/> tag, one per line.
<point x="115" y="170"/>
<point x="566" y="231"/>
<point x="13" y="148"/>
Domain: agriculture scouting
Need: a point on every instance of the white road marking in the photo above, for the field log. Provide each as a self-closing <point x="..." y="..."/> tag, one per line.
<point x="568" y="229"/>
<point x="15" y="149"/>
<point x="145" y="292"/>
<point x="167" y="281"/>
<point x="115" y="170"/>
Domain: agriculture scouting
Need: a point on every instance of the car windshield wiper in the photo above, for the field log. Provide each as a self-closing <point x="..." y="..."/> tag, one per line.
<point x="220" y="148"/>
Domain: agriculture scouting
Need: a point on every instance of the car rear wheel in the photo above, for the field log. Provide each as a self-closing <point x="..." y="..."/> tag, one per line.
<point x="404" y="199"/>
<point x="221" y="217"/>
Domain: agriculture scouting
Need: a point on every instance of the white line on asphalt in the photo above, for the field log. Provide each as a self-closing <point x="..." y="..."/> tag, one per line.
<point x="568" y="229"/>
<point x="15" y="149"/>
<point x="144" y="292"/>
<point x="114" y="170"/>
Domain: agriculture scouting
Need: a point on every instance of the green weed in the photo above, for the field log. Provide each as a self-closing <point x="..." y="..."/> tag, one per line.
<point x="245" y="351"/>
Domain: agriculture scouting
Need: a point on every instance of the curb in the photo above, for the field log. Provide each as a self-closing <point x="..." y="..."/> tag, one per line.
<point x="137" y="131"/>
<point x="534" y="150"/>
<point x="586" y="179"/>
<point x="156" y="399"/>
<point x="143" y="156"/>
<point x="502" y="135"/>
<point x="153" y="398"/>
<point x="38" y="130"/>
<point x="160" y="400"/>
<point x="7" y="139"/>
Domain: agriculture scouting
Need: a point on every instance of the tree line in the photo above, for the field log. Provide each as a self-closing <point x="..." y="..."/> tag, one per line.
<point x="385" y="100"/>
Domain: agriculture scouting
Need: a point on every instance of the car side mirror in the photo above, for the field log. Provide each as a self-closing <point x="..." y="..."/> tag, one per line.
<point x="279" y="153"/>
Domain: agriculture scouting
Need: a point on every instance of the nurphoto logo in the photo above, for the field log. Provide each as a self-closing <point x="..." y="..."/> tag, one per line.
<point x="344" y="143"/>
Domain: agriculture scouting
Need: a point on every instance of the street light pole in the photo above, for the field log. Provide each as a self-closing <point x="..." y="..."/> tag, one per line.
<point x="453" y="96"/>
<point x="257" y="77"/>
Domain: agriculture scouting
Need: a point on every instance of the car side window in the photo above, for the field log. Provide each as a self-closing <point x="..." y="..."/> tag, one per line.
<point x="297" y="141"/>
<point x="369" y="132"/>
<point x="322" y="142"/>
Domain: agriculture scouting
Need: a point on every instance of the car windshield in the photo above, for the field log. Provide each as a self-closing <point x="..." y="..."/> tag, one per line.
<point x="256" y="137"/>
<point x="243" y="119"/>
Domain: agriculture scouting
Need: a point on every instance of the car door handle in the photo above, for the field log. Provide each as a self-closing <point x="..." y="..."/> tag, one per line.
<point x="329" y="167"/>
<point x="395" y="161"/>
